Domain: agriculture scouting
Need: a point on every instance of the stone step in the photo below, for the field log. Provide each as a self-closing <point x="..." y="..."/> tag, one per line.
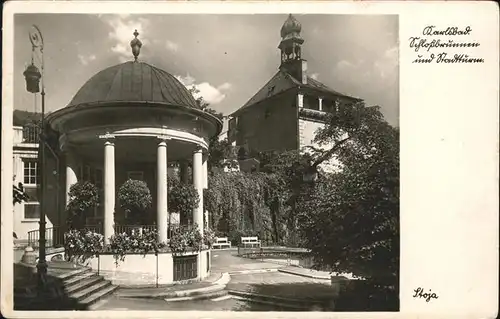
<point x="209" y="295"/>
<point x="97" y="295"/>
<point x="84" y="293"/>
<point x="279" y="301"/>
<point x="83" y="284"/>
<point x="77" y="278"/>
<point x="69" y="274"/>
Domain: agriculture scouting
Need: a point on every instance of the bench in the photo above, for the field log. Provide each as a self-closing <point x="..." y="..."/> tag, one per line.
<point x="221" y="242"/>
<point x="250" y="241"/>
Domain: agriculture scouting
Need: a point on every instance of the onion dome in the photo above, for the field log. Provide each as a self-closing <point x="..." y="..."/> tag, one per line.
<point x="290" y="26"/>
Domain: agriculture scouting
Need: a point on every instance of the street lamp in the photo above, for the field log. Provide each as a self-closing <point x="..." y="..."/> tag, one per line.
<point x="33" y="78"/>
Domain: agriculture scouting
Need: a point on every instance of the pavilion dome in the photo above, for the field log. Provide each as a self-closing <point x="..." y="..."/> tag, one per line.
<point x="131" y="82"/>
<point x="290" y="26"/>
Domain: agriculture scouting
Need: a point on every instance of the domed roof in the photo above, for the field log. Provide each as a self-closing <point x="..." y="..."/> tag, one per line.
<point x="291" y="25"/>
<point x="133" y="82"/>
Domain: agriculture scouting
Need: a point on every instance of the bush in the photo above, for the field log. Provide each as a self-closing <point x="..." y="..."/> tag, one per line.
<point x="135" y="198"/>
<point x="183" y="239"/>
<point x="121" y="244"/>
<point x="182" y="198"/>
<point x="209" y="237"/>
<point x="83" y="197"/>
<point x="81" y="244"/>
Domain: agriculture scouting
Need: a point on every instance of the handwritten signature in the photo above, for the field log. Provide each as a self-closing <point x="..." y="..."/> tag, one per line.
<point x="419" y="293"/>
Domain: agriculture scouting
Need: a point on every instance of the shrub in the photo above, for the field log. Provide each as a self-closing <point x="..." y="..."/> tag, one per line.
<point x="182" y="198"/>
<point x="183" y="239"/>
<point x="83" y="197"/>
<point x="209" y="237"/>
<point x="121" y="244"/>
<point x="82" y="245"/>
<point x="135" y="198"/>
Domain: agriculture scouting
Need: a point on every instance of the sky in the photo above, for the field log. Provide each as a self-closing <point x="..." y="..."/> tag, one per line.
<point x="227" y="57"/>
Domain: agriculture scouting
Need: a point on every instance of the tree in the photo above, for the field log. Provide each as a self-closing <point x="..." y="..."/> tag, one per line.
<point x="182" y="198"/>
<point x="135" y="198"/>
<point x="350" y="221"/>
<point x="83" y="197"/>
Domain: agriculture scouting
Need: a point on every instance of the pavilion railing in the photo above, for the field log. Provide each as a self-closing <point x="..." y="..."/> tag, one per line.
<point x="54" y="236"/>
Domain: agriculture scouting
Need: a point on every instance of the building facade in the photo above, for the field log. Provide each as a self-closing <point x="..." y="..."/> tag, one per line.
<point x="26" y="171"/>
<point x="286" y="112"/>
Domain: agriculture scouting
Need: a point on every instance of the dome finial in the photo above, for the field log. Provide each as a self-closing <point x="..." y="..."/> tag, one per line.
<point x="136" y="45"/>
<point x="291" y="26"/>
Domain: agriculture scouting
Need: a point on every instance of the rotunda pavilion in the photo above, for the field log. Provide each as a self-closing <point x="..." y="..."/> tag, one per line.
<point x="134" y="120"/>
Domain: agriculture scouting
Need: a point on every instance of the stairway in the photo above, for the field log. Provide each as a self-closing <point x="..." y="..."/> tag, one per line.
<point x="71" y="288"/>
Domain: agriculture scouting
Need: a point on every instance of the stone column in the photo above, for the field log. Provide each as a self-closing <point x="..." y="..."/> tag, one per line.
<point x="205" y="172"/>
<point x="162" y="189"/>
<point x="71" y="168"/>
<point x="109" y="189"/>
<point x="198" y="185"/>
<point x="320" y="104"/>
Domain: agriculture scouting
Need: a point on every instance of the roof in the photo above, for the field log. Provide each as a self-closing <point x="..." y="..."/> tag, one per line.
<point x="133" y="82"/>
<point x="283" y="81"/>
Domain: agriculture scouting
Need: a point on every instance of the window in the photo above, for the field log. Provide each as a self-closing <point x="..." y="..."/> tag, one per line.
<point x="31" y="173"/>
<point x="31" y="210"/>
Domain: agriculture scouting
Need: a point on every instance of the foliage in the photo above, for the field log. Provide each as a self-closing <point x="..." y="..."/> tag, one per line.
<point x="81" y="244"/>
<point x="135" y="198"/>
<point x="221" y="154"/>
<point x="209" y="237"/>
<point x="240" y="202"/>
<point x="183" y="239"/>
<point x="19" y="194"/>
<point x="202" y="104"/>
<point x="123" y="243"/>
<point x="350" y="220"/>
<point x="83" y="197"/>
<point x="182" y="198"/>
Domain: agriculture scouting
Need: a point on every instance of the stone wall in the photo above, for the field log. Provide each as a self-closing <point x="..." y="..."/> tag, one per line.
<point x="142" y="270"/>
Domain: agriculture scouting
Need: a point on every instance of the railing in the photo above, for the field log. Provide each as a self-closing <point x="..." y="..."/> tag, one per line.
<point x="133" y="229"/>
<point x="31" y="133"/>
<point x="54" y="237"/>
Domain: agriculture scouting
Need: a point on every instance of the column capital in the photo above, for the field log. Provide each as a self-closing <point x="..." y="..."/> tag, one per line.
<point x="163" y="138"/>
<point x="107" y="137"/>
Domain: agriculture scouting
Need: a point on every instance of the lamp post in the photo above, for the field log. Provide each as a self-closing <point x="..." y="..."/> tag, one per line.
<point x="33" y="76"/>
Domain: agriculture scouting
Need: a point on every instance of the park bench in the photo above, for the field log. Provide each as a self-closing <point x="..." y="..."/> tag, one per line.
<point x="250" y="241"/>
<point x="221" y="242"/>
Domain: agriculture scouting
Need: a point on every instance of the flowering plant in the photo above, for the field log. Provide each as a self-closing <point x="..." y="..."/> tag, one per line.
<point x="209" y="237"/>
<point x="81" y="244"/>
<point x="182" y="239"/>
<point x="123" y="243"/>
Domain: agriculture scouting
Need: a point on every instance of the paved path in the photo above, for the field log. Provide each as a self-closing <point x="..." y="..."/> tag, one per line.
<point x="259" y="275"/>
<point x="228" y="261"/>
<point x="226" y="303"/>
